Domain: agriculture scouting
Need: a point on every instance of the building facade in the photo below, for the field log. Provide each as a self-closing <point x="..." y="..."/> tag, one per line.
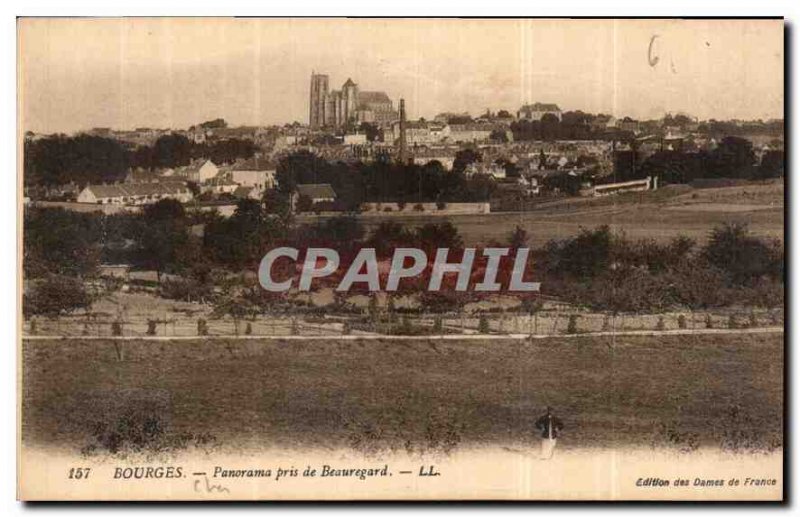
<point x="347" y="106"/>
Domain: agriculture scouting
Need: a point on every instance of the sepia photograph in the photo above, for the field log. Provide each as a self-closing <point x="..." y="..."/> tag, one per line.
<point x="401" y="259"/>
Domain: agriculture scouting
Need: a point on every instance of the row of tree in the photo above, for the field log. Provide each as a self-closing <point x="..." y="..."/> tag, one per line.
<point x="385" y="180"/>
<point x="733" y="157"/>
<point x="82" y="159"/>
<point x="596" y="268"/>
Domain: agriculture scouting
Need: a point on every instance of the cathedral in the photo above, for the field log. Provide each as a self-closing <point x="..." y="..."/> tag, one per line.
<point x="338" y="108"/>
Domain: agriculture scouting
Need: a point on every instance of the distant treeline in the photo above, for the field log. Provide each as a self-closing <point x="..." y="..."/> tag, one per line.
<point x="386" y="180"/>
<point x="733" y="157"/>
<point x="82" y="159"/>
<point x="577" y="125"/>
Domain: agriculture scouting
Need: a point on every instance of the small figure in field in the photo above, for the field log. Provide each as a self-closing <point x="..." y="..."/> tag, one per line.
<point x="549" y="426"/>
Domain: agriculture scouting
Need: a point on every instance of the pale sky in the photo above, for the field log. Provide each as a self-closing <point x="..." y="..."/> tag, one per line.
<point x="171" y="72"/>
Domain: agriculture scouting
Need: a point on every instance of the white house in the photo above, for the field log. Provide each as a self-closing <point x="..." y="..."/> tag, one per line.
<point x="316" y="192"/>
<point x="134" y="193"/>
<point x="538" y="110"/>
<point x="255" y="172"/>
<point x="198" y="171"/>
<point x="490" y="169"/>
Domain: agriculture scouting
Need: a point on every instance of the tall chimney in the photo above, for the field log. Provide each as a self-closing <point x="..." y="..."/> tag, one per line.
<point x="402" y="155"/>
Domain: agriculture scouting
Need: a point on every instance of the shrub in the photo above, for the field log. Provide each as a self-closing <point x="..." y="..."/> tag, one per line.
<point x="441" y="205"/>
<point x="682" y="321"/>
<point x="572" y="324"/>
<point x="419" y="207"/>
<point x="138" y="423"/>
<point x="401" y="205"/>
<point x="741" y="256"/>
<point x="437" y="324"/>
<point x="387" y="209"/>
<point x="55" y="296"/>
<point x="202" y="327"/>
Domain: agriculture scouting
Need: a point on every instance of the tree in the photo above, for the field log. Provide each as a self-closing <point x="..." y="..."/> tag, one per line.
<point x="733" y="158"/>
<point x="172" y="150"/>
<point x="518" y="238"/>
<point x="464" y="157"/>
<point x="61" y="242"/>
<point x="498" y="136"/>
<point x="164" y="236"/>
<point x="743" y="257"/>
<point x="302" y="167"/>
<point x="55" y="296"/>
<point x="371" y="130"/>
<point x="439" y="235"/>
<point x="81" y="159"/>
<point x="304" y="203"/>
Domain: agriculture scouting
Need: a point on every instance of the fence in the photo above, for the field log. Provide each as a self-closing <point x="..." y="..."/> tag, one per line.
<point x="546" y="322"/>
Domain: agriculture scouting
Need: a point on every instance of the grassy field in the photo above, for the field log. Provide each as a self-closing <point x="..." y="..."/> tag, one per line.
<point x="415" y="396"/>
<point x="661" y="215"/>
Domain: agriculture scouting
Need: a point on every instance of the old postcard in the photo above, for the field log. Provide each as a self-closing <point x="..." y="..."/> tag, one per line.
<point x="401" y="259"/>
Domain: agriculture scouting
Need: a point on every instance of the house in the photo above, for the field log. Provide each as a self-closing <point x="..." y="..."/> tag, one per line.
<point x="355" y="139"/>
<point x="602" y="123"/>
<point x="492" y="169"/>
<point x="538" y="110"/>
<point x="316" y="192"/>
<point x="134" y="194"/>
<point x="629" y="124"/>
<point x="255" y="172"/>
<point x="219" y="185"/>
<point x="247" y="193"/>
<point x="198" y="171"/>
<point x="470" y="132"/>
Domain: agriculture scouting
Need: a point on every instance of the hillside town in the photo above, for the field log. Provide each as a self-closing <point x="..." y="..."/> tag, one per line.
<point x="535" y="153"/>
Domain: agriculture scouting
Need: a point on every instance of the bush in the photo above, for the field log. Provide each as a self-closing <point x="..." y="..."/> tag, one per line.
<point x="419" y="207"/>
<point x="55" y="296"/>
<point x="441" y="205"/>
<point x="572" y="324"/>
<point x="202" y="327"/>
<point x="681" y="321"/>
<point x="742" y="257"/>
<point x="483" y="325"/>
<point x="185" y="290"/>
<point x="134" y="422"/>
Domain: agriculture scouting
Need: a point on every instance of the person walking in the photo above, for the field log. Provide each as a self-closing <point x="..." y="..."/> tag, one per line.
<point x="549" y="426"/>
